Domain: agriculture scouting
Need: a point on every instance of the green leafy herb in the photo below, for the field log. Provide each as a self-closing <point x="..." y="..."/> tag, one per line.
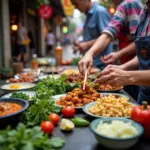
<point x="57" y="142"/>
<point x="27" y="139"/>
<point x="41" y="107"/>
<point x="71" y="86"/>
<point x="54" y="86"/>
<point x="20" y="95"/>
<point x="75" y="61"/>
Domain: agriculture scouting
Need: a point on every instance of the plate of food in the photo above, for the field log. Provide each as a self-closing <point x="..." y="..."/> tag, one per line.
<point x="70" y="71"/>
<point x="32" y="74"/>
<point x="11" y="110"/>
<point x="28" y="70"/>
<point x="77" y="98"/>
<point x="55" y="76"/>
<point x="17" y="86"/>
<point x="22" y="79"/>
<point x="94" y="70"/>
<point x="25" y="95"/>
<point x="106" y="87"/>
<point x="73" y="78"/>
<point x="50" y="70"/>
<point x="110" y="105"/>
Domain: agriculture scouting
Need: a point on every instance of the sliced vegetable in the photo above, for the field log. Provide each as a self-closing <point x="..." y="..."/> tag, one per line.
<point x="66" y="125"/>
<point x="57" y="142"/>
<point x="54" y="118"/>
<point x="47" y="127"/>
<point x="68" y="111"/>
<point x="80" y="122"/>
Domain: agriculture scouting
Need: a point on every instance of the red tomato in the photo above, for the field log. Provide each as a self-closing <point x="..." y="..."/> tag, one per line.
<point x="68" y="111"/>
<point x="141" y="114"/>
<point x="47" y="127"/>
<point x="54" y="118"/>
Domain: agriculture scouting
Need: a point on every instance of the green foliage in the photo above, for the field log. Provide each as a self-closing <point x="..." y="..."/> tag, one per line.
<point x="71" y="86"/>
<point x="57" y="142"/>
<point x="51" y="86"/>
<point x="41" y="2"/>
<point x="20" y="95"/>
<point x="6" y="70"/>
<point x="27" y="139"/>
<point x="75" y="61"/>
<point x="42" y="105"/>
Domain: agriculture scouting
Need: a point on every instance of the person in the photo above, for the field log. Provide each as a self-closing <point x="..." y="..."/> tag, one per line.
<point x="122" y="26"/>
<point x="22" y="42"/>
<point x="50" y="41"/>
<point x="31" y="44"/>
<point x="126" y="73"/>
<point x="97" y="18"/>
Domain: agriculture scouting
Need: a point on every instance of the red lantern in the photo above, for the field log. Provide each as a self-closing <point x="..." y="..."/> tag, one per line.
<point x="45" y="11"/>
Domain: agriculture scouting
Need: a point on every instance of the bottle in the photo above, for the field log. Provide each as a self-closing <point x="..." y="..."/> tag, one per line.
<point x="58" y="54"/>
<point x="34" y="61"/>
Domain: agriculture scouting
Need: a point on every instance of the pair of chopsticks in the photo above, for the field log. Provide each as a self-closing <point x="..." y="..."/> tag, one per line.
<point x="85" y="79"/>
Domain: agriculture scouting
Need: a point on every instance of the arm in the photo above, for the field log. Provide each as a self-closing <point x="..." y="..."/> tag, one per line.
<point x="90" y="43"/>
<point x="131" y="65"/>
<point x="82" y="46"/>
<point x="114" y="56"/>
<point x="128" y="50"/>
<point x="140" y="77"/>
<point x="101" y="43"/>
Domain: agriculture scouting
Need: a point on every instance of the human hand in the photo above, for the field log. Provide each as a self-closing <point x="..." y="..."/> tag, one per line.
<point x="75" y="47"/>
<point x="80" y="46"/>
<point x="110" y="58"/>
<point x="83" y="46"/>
<point x="114" y="75"/>
<point x="85" y="63"/>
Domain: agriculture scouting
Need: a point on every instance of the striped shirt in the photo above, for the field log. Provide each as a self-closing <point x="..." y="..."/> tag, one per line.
<point x="125" y="20"/>
<point x="146" y="29"/>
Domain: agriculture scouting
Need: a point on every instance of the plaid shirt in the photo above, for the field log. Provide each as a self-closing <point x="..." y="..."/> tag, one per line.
<point x="125" y="20"/>
<point x="146" y="29"/>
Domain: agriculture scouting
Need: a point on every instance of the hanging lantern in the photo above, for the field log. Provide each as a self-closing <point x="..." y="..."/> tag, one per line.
<point x="45" y="11"/>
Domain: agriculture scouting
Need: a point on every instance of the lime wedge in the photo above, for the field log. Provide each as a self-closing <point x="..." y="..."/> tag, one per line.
<point x="66" y="125"/>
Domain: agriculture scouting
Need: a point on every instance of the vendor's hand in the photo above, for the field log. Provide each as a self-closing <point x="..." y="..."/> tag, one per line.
<point x="75" y="47"/>
<point x="114" y="75"/>
<point x="80" y="46"/>
<point x="110" y="58"/>
<point x="83" y="46"/>
<point x="85" y="63"/>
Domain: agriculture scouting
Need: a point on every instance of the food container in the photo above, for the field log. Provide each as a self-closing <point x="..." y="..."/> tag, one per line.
<point x="116" y="143"/>
<point x="14" y="118"/>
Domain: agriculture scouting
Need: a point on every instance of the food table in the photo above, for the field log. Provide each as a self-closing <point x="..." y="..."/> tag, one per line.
<point x="83" y="139"/>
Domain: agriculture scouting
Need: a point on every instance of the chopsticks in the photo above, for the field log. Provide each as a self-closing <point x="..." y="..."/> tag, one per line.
<point x="85" y="79"/>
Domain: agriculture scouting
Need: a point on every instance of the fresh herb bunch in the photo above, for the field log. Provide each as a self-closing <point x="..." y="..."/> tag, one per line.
<point x="27" y="139"/>
<point x="20" y="95"/>
<point x="75" y="61"/>
<point x="42" y="106"/>
<point x="52" y="86"/>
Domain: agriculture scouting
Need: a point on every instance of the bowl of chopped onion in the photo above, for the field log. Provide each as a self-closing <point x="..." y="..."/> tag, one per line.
<point x="116" y="133"/>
